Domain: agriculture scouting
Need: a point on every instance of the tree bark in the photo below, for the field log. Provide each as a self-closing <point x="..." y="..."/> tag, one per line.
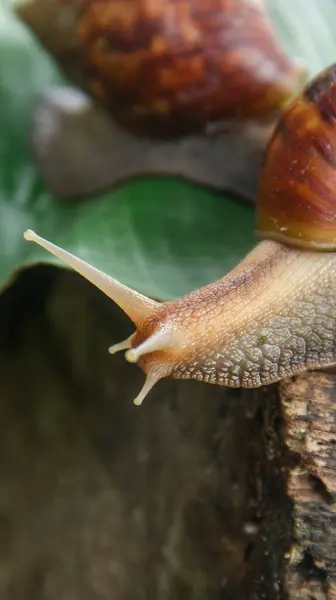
<point x="203" y="493"/>
<point x="309" y="405"/>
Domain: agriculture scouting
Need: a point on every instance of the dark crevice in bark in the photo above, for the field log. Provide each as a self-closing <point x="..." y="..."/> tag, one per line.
<point x="320" y="488"/>
<point x="309" y="570"/>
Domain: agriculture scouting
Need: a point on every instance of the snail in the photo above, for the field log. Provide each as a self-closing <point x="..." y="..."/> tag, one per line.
<point x="274" y="315"/>
<point x="167" y="67"/>
<point x="200" y="85"/>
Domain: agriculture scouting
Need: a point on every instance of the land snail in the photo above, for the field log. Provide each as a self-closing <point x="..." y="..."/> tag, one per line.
<point x="274" y="315"/>
<point x="187" y="89"/>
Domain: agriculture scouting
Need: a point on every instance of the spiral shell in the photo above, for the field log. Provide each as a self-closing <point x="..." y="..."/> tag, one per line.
<point x="168" y="66"/>
<point x="297" y="192"/>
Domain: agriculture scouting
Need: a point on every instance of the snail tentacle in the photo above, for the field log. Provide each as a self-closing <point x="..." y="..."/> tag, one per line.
<point x="124" y="345"/>
<point x="135" y="305"/>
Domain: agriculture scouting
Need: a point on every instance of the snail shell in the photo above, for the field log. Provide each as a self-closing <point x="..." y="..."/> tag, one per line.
<point x="297" y="196"/>
<point x="168" y="67"/>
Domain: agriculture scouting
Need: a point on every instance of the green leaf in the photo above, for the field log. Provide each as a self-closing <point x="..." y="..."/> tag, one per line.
<point x="163" y="237"/>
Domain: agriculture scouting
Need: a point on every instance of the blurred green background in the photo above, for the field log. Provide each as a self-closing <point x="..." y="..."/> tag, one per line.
<point x="161" y="236"/>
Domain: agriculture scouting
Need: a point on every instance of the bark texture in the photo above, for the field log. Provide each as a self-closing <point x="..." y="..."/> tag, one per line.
<point x="309" y="404"/>
<point x="203" y="493"/>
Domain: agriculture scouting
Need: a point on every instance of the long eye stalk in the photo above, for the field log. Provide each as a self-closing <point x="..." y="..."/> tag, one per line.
<point x="135" y="305"/>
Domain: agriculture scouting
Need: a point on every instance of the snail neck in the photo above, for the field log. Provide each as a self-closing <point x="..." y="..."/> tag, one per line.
<point x="271" y="317"/>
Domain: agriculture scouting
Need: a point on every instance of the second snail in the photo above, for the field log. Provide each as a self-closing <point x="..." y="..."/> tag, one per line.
<point x="274" y="315"/>
<point x="200" y="84"/>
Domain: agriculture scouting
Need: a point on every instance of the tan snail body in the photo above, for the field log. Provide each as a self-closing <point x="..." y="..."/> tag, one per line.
<point x="274" y="315"/>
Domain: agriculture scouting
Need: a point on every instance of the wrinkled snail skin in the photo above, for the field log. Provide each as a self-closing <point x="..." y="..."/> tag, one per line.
<point x="171" y="66"/>
<point x="274" y="315"/>
<point x="270" y="318"/>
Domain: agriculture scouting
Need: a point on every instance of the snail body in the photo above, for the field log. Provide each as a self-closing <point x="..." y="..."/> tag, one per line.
<point x="274" y="315"/>
<point x="170" y="66"/>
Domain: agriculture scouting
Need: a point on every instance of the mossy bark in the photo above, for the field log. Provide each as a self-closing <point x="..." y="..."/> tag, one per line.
<point x="203" y="493"/>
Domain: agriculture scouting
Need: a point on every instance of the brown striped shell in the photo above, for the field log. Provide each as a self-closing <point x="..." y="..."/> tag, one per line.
<point x="172" y="65"/>
<point x="297" y="193"/>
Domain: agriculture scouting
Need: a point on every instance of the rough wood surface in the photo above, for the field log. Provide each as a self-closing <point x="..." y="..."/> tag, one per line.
<point x="184" y="498"/>
<point x="309" y="404"/>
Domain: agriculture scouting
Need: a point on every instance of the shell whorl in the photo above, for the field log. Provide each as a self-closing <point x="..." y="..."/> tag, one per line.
<point x="297" y="192"/>
<point x="177" y="65"/>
